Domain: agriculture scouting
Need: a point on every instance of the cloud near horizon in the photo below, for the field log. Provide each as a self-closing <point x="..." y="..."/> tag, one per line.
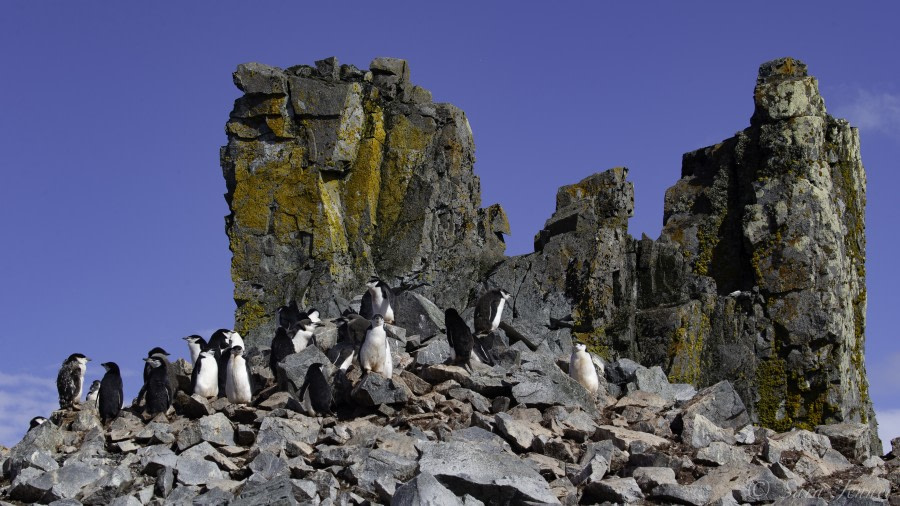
<point x="872" y="111"/>
<point x="22" y="397"/>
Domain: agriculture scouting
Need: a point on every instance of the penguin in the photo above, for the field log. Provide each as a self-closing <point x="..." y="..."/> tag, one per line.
<point x="171" y="377"/>
<point x="289" y="314"/>
<point x="347" y="361"/>
<point x="234" y="339"/>
<point x="110" y="396"/>
<point x="196" y="344"/>
<point x="237" y="378"/>
<point x="38" y="420"/>
<point x="581" y="368"/>
<point x="218" y="343"/>
<point x="282" y="346"/>
<point x="70" y="380"/>
<point x="320" y="394"/>
<point x="91" y="398"/>
<point x="312" y="314"/>
<point x="489" y="311"/>
<point x="374" y="354"/>
<point x="380" y="296"/>
<point x="459" y="336"/>
<point x="352" y="327"/>
<point x="205" y="376"/>
<point x="301" y="334"/>
<point x="159" y="391"/>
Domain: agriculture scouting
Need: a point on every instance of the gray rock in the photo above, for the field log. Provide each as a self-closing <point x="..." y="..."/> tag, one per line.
<point x="435" y="351"/>
<point x="215" y="429"/>
<point x="375" y="389"/>
<point x="622" y="490"/>
<point x="625" y="438"/>
<point x="418" y="315"/>
<point x="276" y="434"/>
<point x="165" y="482"/>
<point x="592" y="472"/>
<point x="518" y="433"/>
<point x="424" y="490"/>
<point x="722" y="454"/>
<point x="853" y="440"/>
<point x="699" y="432"/>
<point x="649" y="478"/>
<point x="541" y="383"/>
<point x="42" y="440"/>
<point x="67" y="481"/>
<point x="796" y="440"/>
<point x="746" y="483"/>
<point x="197" y="471"/>
<point x="267" y="466"/>
<point x="155" y="458"/>
<point x="258" y="78"/>
<point x="682" y="494"/>
<point x="654" y="380"/>
<point x="478" y="401"/>
<point x="484" y="473"/>
<point x="720" y="404"/>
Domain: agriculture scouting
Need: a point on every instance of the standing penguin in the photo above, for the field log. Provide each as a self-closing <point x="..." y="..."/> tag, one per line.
<point x="489" y="311"/>
<point x="301" y="334"/>
<point x="459" y="336"/>
<point x="196" y="344"/>
<point x="581" y="368"/>
<point x="158" y="390"/>
<point x="352" y="327"/>
<point x="282" y="346"/>
<point x="320" y="395"/>
<point x="91" y="398"/>
<point x="374" y="353"/>
<point x="171" y="378"/>
<point x="379" y="295"/>
<point x="237" y="378"/>
<point x="110" y="396"/>
<point x="70" y="380"/>
<point x="218" y="343"/>
<point x="205" y="376"/>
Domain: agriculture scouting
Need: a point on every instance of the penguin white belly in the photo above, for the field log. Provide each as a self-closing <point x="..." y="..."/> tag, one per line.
<point x="371" y="353"/>
<point x="495" y="324"/>
<point x="388" y="369"/>
<point x="195" y="351"/>
<point x="208" y="379"/>
<point x="301" y="340"/>
<point x="82" y="368"/>
<point x="237" y="382"/>
<point x="581" y="368"/>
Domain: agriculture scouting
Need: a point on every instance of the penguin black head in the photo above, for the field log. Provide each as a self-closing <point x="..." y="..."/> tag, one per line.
<point x="506" y="295"/>
<point x="195" y="339"/>
<point x="153" y="362"/>
<point x="157" y="350"/>
<point x="77" y="357"/>
<point x="219" y="339"/>
<point x="377" y="320"/>
<point x="111" y="367"/>
<point x="38" y="420"/>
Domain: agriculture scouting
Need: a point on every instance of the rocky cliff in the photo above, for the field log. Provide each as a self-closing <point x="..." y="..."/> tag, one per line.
<point x="336" y="174"/>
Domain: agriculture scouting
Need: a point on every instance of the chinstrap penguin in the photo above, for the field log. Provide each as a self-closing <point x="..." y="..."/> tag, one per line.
<point x="196" y="344"/>
<point x="489" y="311"/>
<point x="352" y="327"/>
<point x="110" y="396"/>
<point x="319" y="389"/>
<point x="38" y="420"/>
<point x="205" y="376"/>
<point x="581" y="368"/>
<point x="91" y="398"/>
<point x="218" y="343"/>
<point x="374" y="354"/>
<point x="282" y="347"/>
<point x="302" y="333"/>
<point x="459" y="336"/>
<point x="380" y="295"/>
<point x="159" y="392"/>
<point x="171" y="378"/>
<point x="237" y="378"/>
<point x="70" y="380"/>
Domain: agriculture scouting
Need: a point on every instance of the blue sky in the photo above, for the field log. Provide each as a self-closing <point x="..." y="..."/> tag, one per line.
<point x="111" y="197"/>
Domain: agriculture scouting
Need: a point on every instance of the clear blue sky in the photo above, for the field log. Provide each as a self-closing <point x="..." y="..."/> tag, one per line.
<point x="111" y="202"/>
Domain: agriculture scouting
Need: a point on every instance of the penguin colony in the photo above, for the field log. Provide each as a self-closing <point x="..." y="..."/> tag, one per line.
<point x="221" y="370"/>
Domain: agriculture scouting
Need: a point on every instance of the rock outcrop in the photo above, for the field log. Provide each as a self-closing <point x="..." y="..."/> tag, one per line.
<point x="758" y="276"/>
<point x="335" y="175"/>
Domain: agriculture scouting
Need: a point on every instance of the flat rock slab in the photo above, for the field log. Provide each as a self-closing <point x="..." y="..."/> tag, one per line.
<point x="541" y="383"/>
<point x="197" y="471"/>
<point x="486" y="474"/>
<point x="624" y="438"/>
<point x="276" y="433"/>
<point x="424" y="490"/>
<point x="375" y="389"/>
<point x="720" y="404"/>
<point x="216" y="429"/>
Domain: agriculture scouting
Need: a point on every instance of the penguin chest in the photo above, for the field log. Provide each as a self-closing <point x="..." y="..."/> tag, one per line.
<point x="301" y="340"/>
<point x="495" y="323"/>
<point x="237" y="382"/>
<point x="582" y="370"/>
<point x="208" y="378"/>
<point x="372" y="351"/>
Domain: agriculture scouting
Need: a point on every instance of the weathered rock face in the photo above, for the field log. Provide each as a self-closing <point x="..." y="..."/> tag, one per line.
<point x="757" y="278"/>
<point x="335" y="175"/>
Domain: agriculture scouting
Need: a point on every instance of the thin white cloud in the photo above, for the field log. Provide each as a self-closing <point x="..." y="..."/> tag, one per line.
<point x="22" y="397"/>
<point x="888" y="426"/>
<point x="874" y="111"/>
